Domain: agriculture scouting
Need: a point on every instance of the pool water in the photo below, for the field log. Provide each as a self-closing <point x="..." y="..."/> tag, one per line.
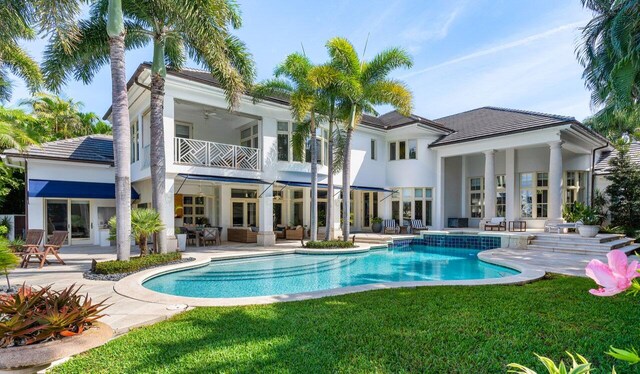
<point x="290" y="274"/>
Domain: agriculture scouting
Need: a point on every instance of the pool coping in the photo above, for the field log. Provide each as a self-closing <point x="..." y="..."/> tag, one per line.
<point x="132" y="287"/>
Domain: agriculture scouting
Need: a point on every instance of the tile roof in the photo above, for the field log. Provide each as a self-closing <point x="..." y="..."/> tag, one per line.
<point x="489" y="121"/>
<point x="602" y="165"/>
<point x="90" y="148"/>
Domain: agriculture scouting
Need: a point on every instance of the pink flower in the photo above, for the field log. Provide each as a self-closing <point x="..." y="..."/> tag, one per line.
<point x="613" y="278"/>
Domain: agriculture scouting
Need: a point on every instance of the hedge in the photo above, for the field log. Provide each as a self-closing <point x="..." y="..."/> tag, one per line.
<point x="135" y="263"/>
<point x="329" y="244"/>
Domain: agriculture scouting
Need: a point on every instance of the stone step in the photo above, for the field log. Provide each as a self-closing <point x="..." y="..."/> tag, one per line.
<point x="573" y="238"/>
<point x="631" y="249"/>
<point x="546" y="242"/>
<point x="567" y="249"/>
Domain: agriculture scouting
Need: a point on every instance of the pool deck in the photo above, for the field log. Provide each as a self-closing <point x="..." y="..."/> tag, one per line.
<point x="133" y="306"/>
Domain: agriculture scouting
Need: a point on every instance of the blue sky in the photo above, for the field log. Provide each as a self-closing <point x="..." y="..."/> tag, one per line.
<point x="467" y="53"/>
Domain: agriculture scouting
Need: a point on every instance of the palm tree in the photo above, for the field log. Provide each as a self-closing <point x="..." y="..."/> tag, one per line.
<point x="203" y="35"/>
<point x="363" y="85"/>
<point x="610" y="54"/>
<point x="17" y="19"/>
<point x="293" y="81"/>
<point x="59" y="117"/>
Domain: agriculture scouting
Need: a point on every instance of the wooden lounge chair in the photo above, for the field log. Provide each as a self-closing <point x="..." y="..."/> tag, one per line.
<point x="51" y="248"/>
<point x="33" y="240"/>
<point x="496" y="223"/>
<point x="208" y="235"/>
<point x="416" y="224"/>
<point x="390" y="225"/>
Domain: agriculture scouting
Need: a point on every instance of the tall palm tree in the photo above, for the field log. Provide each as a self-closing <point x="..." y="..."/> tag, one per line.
<point x="293" y="81"/>
<point x="177" y="29"/>
<point x="363" y="85"/>
<point x="610" y="54"/>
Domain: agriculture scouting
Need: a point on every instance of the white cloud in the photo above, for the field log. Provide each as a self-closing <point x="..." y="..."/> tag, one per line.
<point x="499" y="48"/>
<point x="417" y="34"/>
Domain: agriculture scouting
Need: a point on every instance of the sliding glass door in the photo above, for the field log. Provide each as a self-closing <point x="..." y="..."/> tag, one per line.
<point x="73" y="216"/>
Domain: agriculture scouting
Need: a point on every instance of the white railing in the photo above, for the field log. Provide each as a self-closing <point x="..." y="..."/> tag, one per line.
<point x="204" y="153"/>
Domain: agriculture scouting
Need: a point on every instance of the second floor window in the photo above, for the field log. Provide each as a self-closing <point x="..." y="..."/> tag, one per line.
<point x="135" y="141"/>
<point x="403" y="150"/>
<point x="373" y="149"/>
<point x="249" y="137"/>
<point x="283" y="141"/>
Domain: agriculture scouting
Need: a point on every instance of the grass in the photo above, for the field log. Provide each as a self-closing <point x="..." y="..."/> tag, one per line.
<point x="427" y="330"/>
<point x="135" y="263"/>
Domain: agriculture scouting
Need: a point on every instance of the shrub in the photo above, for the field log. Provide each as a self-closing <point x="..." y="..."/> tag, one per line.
<point x="328" y="244"/>
<point x="8" y="260"/>
<point x="624" y="191"/>
<point x="376" y="220"/>
<point x="7" y="223"/>
<point x="135" y="263"/>
<point x="31" y="316"/>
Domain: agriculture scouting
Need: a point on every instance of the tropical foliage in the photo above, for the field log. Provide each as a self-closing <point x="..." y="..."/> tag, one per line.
<point x="33" y="316"/>
<point x="610" y="54"/>
<point x="144" y="223"/>
<point x="136" y="263"/>
<point x="624" y="192"/>
<point x="8" y="260"/>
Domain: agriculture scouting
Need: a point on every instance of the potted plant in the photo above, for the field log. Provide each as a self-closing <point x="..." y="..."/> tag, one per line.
<point x="591" y="220"/>
<point x="376" y="225"/>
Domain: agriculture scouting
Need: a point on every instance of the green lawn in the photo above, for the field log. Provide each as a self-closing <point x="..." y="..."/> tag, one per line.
<point x="428" y="330"/>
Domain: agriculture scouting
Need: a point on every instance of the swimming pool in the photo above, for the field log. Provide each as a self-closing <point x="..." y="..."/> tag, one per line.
<point x="292" y="274"/>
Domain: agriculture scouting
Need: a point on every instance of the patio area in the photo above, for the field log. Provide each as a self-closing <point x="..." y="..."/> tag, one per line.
<point x="126" y="313"/>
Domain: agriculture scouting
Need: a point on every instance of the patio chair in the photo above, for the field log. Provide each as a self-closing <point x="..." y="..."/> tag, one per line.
<point x="50" y="248"/>
<point x="390" y="225"/>
<point x="496" y="223"/>
<point x="296" y="233"/>
<point x="209" y="234"/>
<point x="33" y="239"/>
<point x="416" y="224"/>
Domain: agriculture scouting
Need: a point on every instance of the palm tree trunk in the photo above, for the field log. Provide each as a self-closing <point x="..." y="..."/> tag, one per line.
<point x="314" y="181"/>
<point x="121" y="142"/>
<point x="157" y="153"/>
<point x="329" y="208"/>
<point x="346" y="185"/>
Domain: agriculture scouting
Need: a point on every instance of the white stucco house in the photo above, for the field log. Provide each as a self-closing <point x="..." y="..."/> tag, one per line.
<point x="237" y="169"/>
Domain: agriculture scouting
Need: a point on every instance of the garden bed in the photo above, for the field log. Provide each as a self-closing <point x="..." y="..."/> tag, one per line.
<point x="329" y="244"/>
<point x="116" y="270"/>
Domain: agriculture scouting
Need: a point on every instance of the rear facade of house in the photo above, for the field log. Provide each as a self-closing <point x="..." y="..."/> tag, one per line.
<point x="236" y="169"/>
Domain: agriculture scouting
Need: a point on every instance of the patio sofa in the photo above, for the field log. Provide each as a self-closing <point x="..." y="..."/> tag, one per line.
<point x="242" y="234"/>
<point x="294" y="233"/>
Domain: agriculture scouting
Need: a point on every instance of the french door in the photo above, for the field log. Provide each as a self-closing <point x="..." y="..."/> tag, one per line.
<point x="244" y="213"/>
<point x="369" y="208"/>
<point x="73" y="216"/>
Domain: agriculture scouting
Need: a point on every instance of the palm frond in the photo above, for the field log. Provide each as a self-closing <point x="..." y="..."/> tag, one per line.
<point x="343" y="55"/>
<point x="16" y="60"/>
<point x="299" y="139"/>
<point x="279" y="88"/>
<point x="391" y="92"/>
<point x="384" y="63"/>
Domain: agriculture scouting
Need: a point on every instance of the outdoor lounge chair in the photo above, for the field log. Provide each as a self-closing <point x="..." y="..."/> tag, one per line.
<point x="294" y="233"/>
<point x="416" y="224"/>
<point x="496" y="223"/>
<point x="33" y="240"/>
<point x="50" y="248"/>
<point x="390" y="225"/>
<point x="560" y="228"/>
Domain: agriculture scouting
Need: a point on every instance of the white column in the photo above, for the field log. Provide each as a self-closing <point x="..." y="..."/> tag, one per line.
<point x="224" y="220"/>
<point x="510" y="180"/>
<point x="439" y="221"/>
<point x="169" y="129"/>
<point x="555" y="181"/>
<point x="464" y="194"/>
<point x="336" y="230"/>
<point x="489" y="184"/>
<point x="266" y="236"/>
<point x="169" y="217"/>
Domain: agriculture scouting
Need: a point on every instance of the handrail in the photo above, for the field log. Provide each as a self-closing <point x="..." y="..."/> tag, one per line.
<point x="212" y="154"/>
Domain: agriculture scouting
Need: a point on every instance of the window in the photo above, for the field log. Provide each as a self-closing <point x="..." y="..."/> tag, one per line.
<point x="249" y="137"/>
<point x="403" y="150"/>
<point x="298" y="207"/>
<point x="534" y="195"/>
<point x="416" y="204"/>
<point x="373" y="149"/>
<point x="183" y="131"/>
<point x="135" y="141"/>
<point x="476" y="195"/>
<point x="501" y="196"/>
<point x="575" y="187"/>
<point x="283" y="141"/>
<point x="244" y="207"/>
<point x="194" y="209"/>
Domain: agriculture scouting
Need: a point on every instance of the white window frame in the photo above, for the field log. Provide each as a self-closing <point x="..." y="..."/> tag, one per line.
<point x="397" y="155"/>
<point x="255" y="135"/>
<point x="184" y="124"/>
<point x="471" y="192"/>
<point x="401" y="197"/>
<point x="135" y="139"/>
<point x="533" y="190"/>
<point x="373" y="149"/>
<point x="576" y="189"/>
<point x="193" y="216"/>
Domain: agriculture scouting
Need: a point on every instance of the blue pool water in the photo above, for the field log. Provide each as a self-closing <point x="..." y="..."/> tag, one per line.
<point x="289" y="274"/>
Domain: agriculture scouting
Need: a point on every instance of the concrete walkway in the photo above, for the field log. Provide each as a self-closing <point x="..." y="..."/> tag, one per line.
<point x="127" y="313"/>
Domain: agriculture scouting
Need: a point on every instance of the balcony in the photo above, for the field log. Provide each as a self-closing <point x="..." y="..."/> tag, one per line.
<point x="204" y="153"/>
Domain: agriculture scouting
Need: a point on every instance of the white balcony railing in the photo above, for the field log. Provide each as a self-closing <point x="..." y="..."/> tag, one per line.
<point x="204" y="153"/>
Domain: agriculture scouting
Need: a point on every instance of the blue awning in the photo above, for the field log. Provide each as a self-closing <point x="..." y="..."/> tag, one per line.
<point x="373" y="189"/>
<point x="71" y="189"/>
<point x="214" y="178"/>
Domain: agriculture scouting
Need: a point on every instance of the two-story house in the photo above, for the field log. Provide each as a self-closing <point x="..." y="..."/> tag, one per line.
<point x="236" y="169"/>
